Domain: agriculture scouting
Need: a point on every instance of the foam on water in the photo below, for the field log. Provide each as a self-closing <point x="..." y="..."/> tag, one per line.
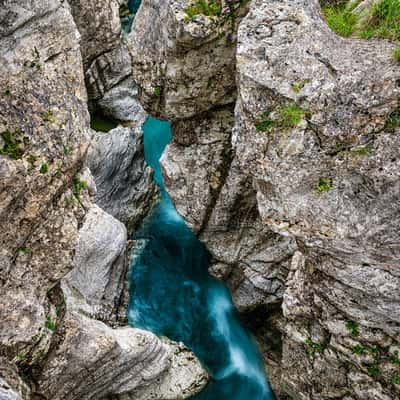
<point x="172" y="294"/>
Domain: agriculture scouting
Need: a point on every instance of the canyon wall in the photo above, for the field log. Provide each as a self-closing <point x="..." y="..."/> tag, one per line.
<point x="63" y="257"/>
<point x="295" y="188"/>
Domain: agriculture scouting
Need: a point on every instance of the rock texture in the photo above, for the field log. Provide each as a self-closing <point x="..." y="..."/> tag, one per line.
<point x="172" y="56"/>
<point x="342" y="289"/>
<point x="124" y="182"/>
<point x="62" y="258"/>
<point x="312" y="170"/>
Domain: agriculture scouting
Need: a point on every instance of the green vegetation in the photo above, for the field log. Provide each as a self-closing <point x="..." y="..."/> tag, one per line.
<point x="210" y="8"/>
<point x="395" y="359"/>
<point x="13" y="146"/>
<point x="25" y="250"/>
<point x="361" y="151"/>
<point x="324" y="185"/>
<point x="287" y="117"/>
<point x="383" y="22"/>
<point x="297" y="86"/>
<point x="48" y="116"/>
<point x="265" y="123"/>
<point x="359" y="349"/>
<point x="340" y="18"/>
<point x="353" y="328"/>
<point x="392" y="121"/>
<point x="7" y="92"/>
<point x="69" y="201"/>
<point x="315" y="347"/>
<point x="396" y="379"/>
<point x="396" y="54"/>
<point x="21" y="357"/>
<point x="157" y="91"/>
<point x="67" y="150"/>
<point x="78" y="187"/>
<point x="50" y="324"/>
<point x="373" y="370"/>
<point x="44" y="168"/>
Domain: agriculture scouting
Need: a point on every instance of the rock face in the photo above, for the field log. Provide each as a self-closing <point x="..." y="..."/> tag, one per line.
<point x="62" y="258"/>
<point x="124" y="182"/>
<point x="311" y="169"/>
<point x="172" y="55"/>
<point x="331" y="181"/>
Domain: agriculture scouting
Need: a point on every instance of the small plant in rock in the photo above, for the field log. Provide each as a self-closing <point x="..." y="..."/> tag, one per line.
<point x="359" y="349"/>
<point x="25" y="250"/>
<point x="157" y="91"/>
<point x="13" y="146"/>
<point x="361" y="151"/>
<point x="324" y="185"/>
<point x="50" y="323"/>
<point x="210" y="8"/>
<point x="265" y="123"/>
<point x="315" y="347"/>
<point x="21" y="357"/>
<point x="67" y="150"/>
<point x="395" y="359"/>
<point x="291" y="116"/>
<point x="373" y="370"/>
<point x="392" y="121"/>
<point x="396" y="54"/>
<point x="44" y="168"/>
<point x="353" y="328"/>
<point x="297" y="86"/>
<point x="340" y="18"/>
<point x="48" y="116"/>
<point x="7" y="92"/>
<point x="78" y="187"/>
<point x="396" y="379"/>
<point x="69" y="201"/>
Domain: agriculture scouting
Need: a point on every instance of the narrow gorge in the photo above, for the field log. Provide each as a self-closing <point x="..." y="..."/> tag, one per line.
<point x="199" y="199"/>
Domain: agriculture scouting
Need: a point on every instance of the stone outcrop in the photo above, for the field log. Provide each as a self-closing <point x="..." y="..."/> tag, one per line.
<point x="331" y="181"/>
<point x="184" y="61"/>
<point x="311" y="170"/>
<point x="62" y="258"/>
<point x="124" y="182"/>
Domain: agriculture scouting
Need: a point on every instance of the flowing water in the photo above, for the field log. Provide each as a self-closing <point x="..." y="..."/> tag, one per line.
<point x="173" y="295"/>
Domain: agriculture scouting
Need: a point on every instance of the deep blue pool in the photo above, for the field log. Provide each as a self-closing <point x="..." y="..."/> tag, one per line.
<point x="172" y="294"/>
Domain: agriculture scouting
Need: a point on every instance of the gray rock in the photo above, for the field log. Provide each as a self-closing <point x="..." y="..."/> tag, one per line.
<point x="96" y="362"/>
<point x="184" y="66"/>
<point x="124" y="182"/>
<point x="100" y="266"/>
<point x="121" y="102"/>
<point x="344" y="89"/>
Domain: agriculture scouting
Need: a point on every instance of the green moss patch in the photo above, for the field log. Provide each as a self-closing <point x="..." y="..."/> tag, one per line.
<point x="210" y="8"/>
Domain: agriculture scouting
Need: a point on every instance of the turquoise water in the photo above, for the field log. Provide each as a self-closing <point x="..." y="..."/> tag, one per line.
<point x="172" y="294"/>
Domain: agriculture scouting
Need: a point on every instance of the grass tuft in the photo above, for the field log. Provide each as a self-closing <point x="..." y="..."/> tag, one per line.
<point x="324" y="185"/>
<point x="211" y="8"/>
<point x="340" y="18"/>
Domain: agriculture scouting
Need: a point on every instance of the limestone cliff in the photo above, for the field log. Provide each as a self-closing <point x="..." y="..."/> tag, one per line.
<point x="63" y="259"/>
<point x="296" y="194"/>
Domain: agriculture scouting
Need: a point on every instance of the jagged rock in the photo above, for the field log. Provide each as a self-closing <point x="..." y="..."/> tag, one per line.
<point x="195" y="164"/>
<point x="184" y="65"/>
<point x="99" y="25"/>
<point x="43" y="110"/>
<point x="121" y="102"/>
<point x="124" y="182"/>
<point x="100" y="266"/>
<point x="330" y="180"/>
<point x="95" y="361"/>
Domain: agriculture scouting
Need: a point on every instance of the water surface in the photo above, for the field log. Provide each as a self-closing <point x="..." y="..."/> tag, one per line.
<point x="173" y="295"/>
